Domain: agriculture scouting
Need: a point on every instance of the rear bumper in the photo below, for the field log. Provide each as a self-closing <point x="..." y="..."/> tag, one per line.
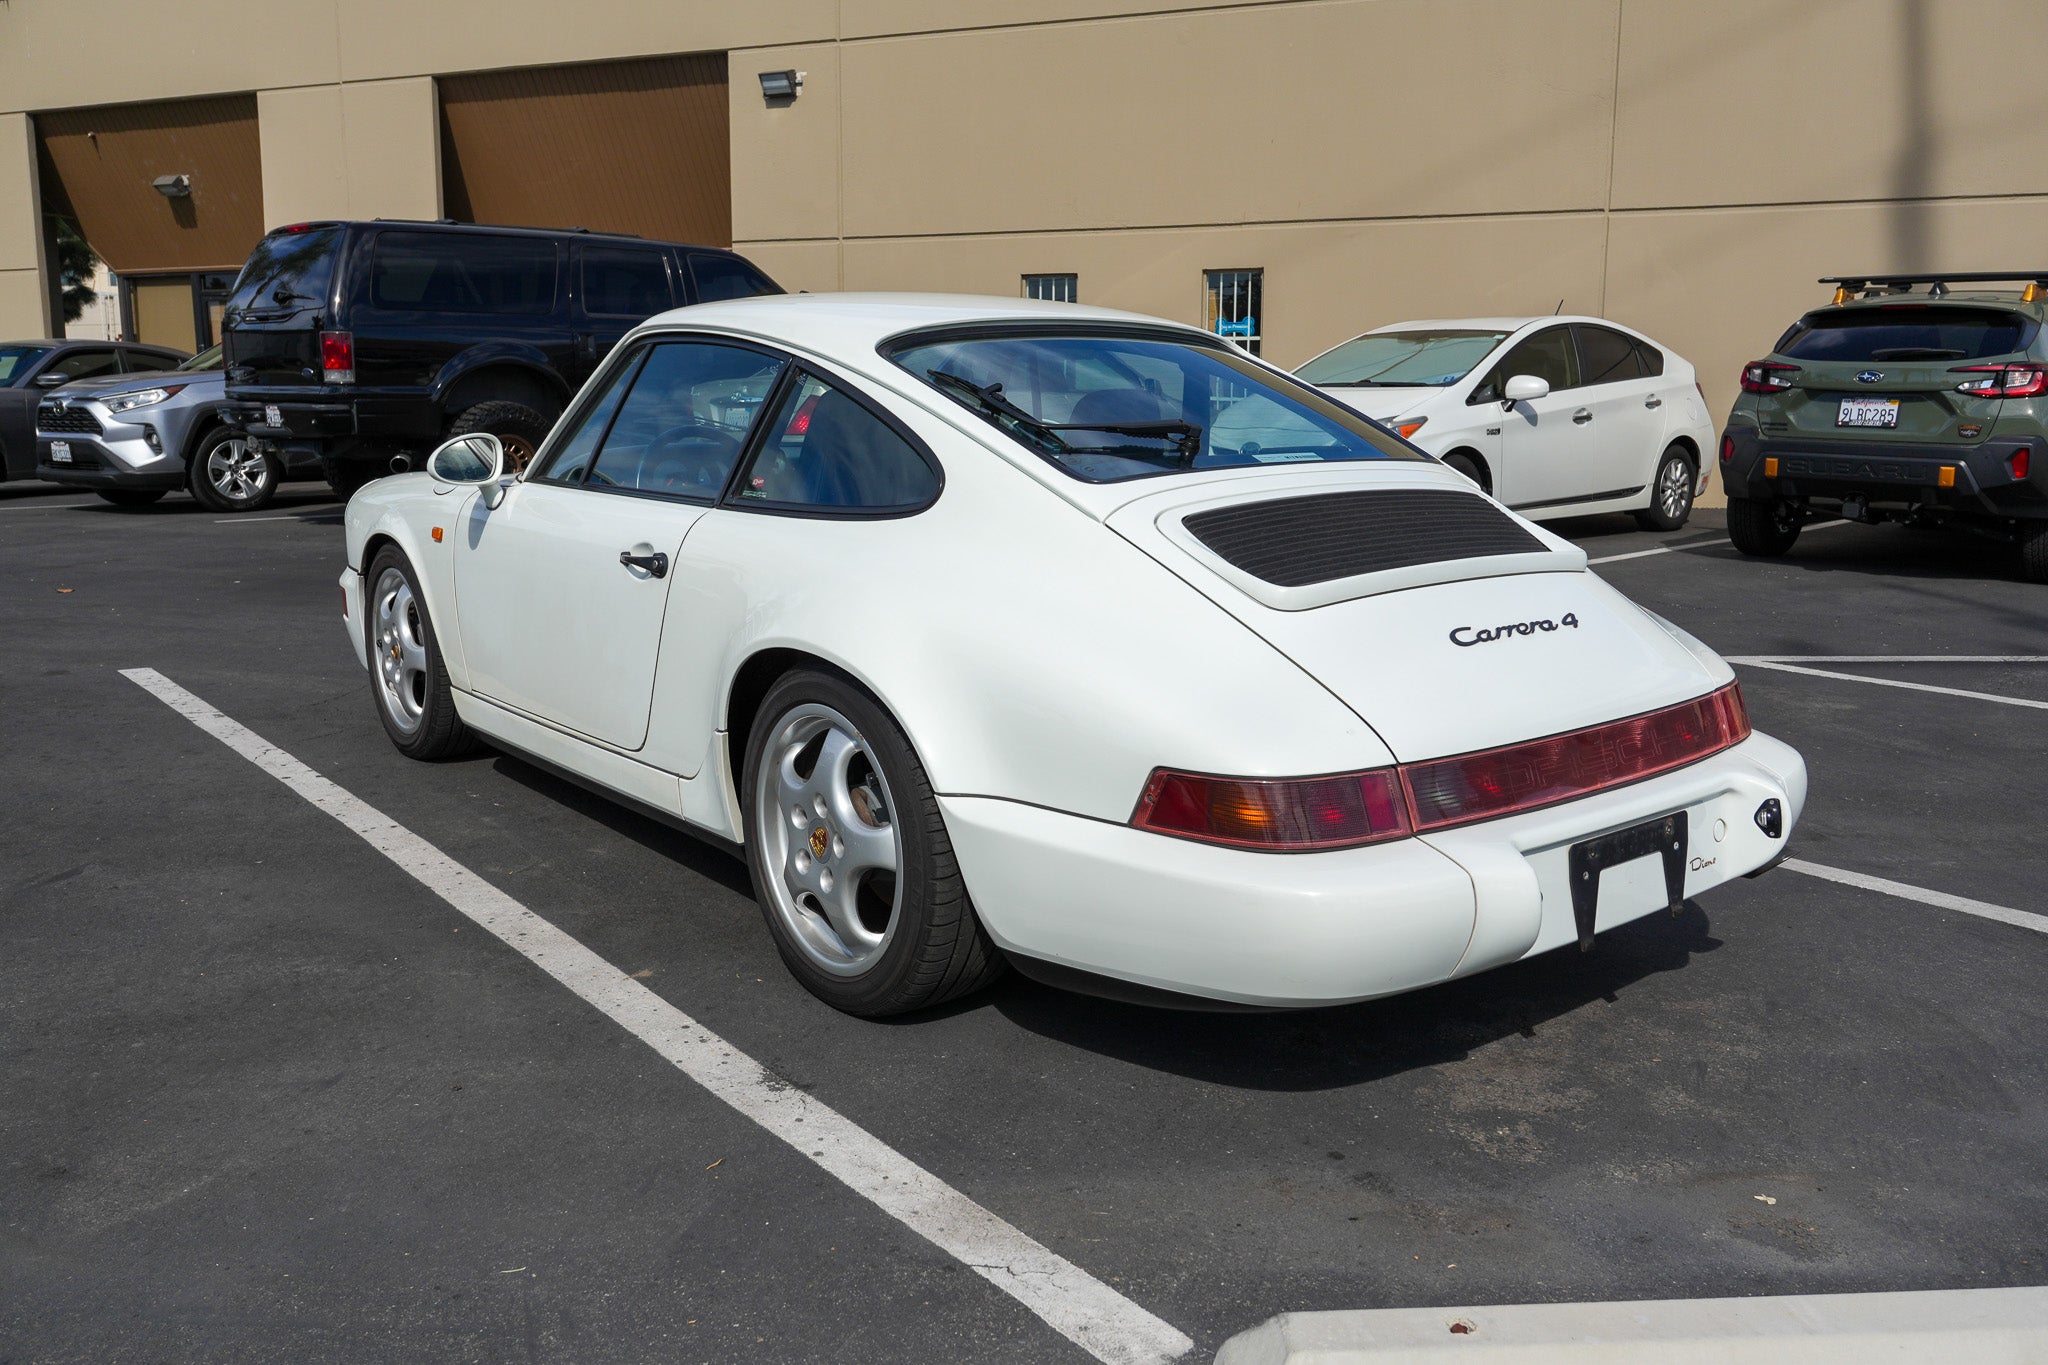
<point x="1328" y="928"/>
<point x="365" y="427"/>
<point x="1980" y="481"/>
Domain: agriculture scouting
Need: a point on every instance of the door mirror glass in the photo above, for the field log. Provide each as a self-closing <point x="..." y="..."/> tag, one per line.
<point x="1524" y="388"/>
<point x="467" y="460"/>
<point x="51" y="381"/>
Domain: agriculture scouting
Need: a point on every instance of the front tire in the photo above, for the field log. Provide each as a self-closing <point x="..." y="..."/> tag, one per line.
<point x="229" y="474"/>
<point x="129" y="497"/>
<point x="408" y="679"/>
<point x="1763" y="528"/>
<point x="850" y="858"/>
<point x="1469" y="466"/>
<point x="1670" y="492"/>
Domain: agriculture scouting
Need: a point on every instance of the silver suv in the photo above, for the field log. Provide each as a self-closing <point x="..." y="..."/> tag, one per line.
<point x="131" y="438"/>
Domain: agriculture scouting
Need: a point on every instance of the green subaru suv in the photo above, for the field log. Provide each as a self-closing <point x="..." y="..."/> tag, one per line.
<point x="1903" y="400"/>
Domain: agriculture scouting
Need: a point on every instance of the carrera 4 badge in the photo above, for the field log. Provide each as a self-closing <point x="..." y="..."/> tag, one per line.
<point x="1467" y="636"/>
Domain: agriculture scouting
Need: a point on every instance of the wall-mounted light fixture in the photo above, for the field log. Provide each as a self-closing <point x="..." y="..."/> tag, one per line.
<point x="172" y="186"/>
<point x="781" y="85"/>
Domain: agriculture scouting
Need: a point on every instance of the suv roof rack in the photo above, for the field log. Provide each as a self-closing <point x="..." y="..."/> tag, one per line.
<point x="1849" y="286"/>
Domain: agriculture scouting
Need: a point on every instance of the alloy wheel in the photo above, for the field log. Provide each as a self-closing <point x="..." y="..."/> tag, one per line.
<point x="1674" y="489"/>
<point x="831" y="850"/>
<point x="401" y="646"/>
<point x="235" y="471"/>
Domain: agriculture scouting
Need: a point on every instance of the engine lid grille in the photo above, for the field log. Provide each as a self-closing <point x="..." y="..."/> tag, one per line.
<point x="1320" y="537"/>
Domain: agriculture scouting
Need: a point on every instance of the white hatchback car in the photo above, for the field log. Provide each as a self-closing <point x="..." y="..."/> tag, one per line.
<point x="1555" y="416"/>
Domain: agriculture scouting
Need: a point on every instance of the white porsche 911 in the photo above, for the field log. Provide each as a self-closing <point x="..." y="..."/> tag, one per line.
<point x="968" y="620"/>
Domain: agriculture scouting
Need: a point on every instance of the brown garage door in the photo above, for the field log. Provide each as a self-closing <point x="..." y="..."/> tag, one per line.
<point x="635" y="146"/>
<point x="97" y="165"/>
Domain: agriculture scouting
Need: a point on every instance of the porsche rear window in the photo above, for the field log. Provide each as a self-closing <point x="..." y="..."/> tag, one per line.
<point x="1106" y="407"/>
<point x="1906" y="332"/>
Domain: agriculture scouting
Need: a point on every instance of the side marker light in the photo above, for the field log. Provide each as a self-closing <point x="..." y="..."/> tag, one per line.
<point x="1948" y="476"/>
<point x="437" y="535"/>
<point x="1770" y="466"/>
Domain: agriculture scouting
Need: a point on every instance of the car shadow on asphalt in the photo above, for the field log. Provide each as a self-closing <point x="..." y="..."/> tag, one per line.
<point x="687" y="850"/>
<point x="1327" y="1049"/>
<point x="1891" y="552"/>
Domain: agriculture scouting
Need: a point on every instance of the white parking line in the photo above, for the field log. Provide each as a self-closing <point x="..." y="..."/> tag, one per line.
<point x="1780" y="664"/>
<point x="1074" y="1303"/>
<point x="2024" y="919"/>
<point x="1694" y="544"/>
<point x="309" y="517"/>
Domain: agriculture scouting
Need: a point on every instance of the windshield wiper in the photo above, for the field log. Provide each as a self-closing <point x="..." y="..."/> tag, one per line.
<point x="1185" y="435"/>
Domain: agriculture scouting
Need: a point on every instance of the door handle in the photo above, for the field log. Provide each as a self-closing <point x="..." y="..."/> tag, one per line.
<point x="656" y="564"/>
<point x="1581" y="417"/>
<point x="1653" y="402"/>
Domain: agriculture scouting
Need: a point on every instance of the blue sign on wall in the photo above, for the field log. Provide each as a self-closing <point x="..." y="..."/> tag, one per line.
<point x="1243" y="327"/>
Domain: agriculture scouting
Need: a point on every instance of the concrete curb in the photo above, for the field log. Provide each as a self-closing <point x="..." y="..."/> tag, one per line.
<point x="1982" y="1326"/>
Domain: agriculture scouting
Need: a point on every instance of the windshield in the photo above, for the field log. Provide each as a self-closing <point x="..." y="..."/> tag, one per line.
<point x="1385" y="360"/>
<point x="17" y="361"/>
<point x="208" y="359"/>
<point x="1911" y="331"/>
<point x="288" y="270"/>
<point x="1105" y="407"/>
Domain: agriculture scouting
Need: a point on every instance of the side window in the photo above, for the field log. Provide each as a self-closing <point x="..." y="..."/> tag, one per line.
<point x="144" y="361"/>
<point x="1547" y="355"/>
<point x="1650" y="358"/>
<point x="84" y="364"/>
<point x="455" y="272"/>
<point x="827" y="452"/>
<point x="621" y="282"/>
<point x="727" y="277"/>
<point x="682" y="422"/>
<point x="1607" y="357"/>
<point x="571" y="461"/>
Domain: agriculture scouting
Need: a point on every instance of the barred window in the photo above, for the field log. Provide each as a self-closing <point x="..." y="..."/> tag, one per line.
<point x="1056" y="288"/>
<point x="1233" y="305"/>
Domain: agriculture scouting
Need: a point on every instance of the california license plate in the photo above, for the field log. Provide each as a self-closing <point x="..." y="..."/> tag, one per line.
<point x="1868" y="412"/>
<point x="275" y="418"/>
<point x="60" y="452"/>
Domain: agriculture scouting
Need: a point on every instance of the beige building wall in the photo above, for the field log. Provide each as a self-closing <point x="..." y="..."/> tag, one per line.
<point x="1686" y="168"/>
<point x="24" y="287"/>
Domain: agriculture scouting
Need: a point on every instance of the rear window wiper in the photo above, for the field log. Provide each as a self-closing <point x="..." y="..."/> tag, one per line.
<point x="1185" y="435"/>
<point x="1916" y="353"/>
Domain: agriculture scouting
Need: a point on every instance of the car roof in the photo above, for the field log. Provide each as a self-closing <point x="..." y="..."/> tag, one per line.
<point x="55" y="343"/>
<point x="853" y="325"/>
<point x="448" y="225"/>
<point x="1491" y="324"/>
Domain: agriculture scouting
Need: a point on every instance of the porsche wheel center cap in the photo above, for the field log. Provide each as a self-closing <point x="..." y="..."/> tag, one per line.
<point x="819" y="839"/>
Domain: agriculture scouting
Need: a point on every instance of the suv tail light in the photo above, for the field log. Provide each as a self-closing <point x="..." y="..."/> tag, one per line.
<point x="1350" y="809"/>
<point x="1767" y="376"/>
<point x="337" y="358"/>
<point x="2003" y="381"/>
<point x="1287" y="816"/>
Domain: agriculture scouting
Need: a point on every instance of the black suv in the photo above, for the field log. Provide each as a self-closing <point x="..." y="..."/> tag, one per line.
<point x="1903" y="400"/>
<point x="366" y="344"/>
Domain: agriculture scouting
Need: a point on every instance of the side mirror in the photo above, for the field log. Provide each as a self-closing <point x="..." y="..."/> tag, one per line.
<point x="1523" y="388"/>
<point x="51" y="381"/>
<point x="474" y="461"/>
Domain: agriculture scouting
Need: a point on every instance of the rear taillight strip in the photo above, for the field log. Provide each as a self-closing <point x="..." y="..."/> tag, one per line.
<point x="1347" y="810"/>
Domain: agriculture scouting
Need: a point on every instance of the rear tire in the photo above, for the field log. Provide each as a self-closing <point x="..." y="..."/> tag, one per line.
<point x="519" y="428"/>
<point x="129" y="497"/>
<point x="408" y="678"/>
<point x="228" y="474"/>
<point x="2034" y="553"/>
<point x="850" y="858"/>
<point x="1765" y="529"/>
<point x="1671" y="492"/>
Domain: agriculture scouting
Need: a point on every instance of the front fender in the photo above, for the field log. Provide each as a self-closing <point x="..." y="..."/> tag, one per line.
<point x="403" y="511"/>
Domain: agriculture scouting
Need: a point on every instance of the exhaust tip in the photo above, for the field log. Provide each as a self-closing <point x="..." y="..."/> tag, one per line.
<point x="401" y="463"/>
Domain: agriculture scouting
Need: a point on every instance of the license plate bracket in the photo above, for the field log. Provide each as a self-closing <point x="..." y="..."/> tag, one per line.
<point x="60" y="452"/>
<point x="1664" y="836"/>
<point x="1868" y="412"/>
<point x="271" y="416"/>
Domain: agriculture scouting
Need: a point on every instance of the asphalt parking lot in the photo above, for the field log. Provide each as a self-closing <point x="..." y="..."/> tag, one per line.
<point x="264" y="1096"/>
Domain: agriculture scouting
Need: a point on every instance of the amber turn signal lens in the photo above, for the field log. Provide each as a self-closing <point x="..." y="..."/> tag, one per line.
<point x="1948" y="476"/>
<point x="437" y="535"/>
<point x="1770" y="466"/>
